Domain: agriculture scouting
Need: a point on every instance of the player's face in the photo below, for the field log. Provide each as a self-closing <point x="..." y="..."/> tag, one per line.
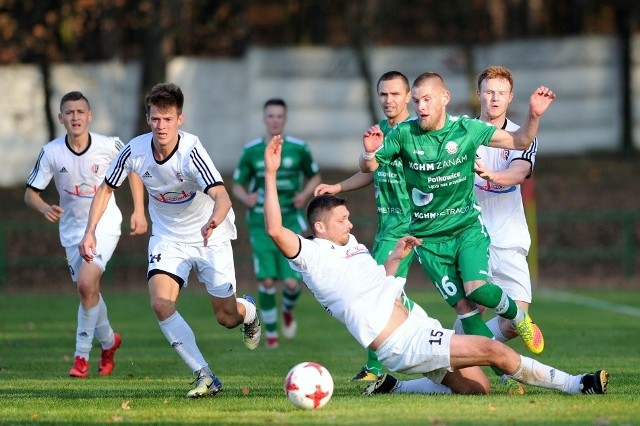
<point x="494" y="95"/>
<point x="338" y="226"/>
<point x="75" y="116"/>
<point x="275" y="117"/>
<point x="394" y="97"/>
<point x="430" y="100"/>
<point x="164" y="126"/>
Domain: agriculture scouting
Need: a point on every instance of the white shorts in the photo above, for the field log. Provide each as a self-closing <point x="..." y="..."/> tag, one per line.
<point x="213" y="264"/>
<point x="509" y="269"/>
<point x="105" y="246"/>
<point x="419" y="346"/>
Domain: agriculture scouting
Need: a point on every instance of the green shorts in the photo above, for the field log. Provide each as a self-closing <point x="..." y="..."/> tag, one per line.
<point x="451" y="263"/>
<point x="268" y="261"/>
<point x="381" y="251"/>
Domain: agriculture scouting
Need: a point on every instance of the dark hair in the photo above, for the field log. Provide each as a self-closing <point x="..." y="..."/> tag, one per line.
<point x="322" y="204"/>
<point x="392" y="75"/>
<point x="164" y="96"/>
<point x="74" y="96"/>
<point x="275" y="101"/>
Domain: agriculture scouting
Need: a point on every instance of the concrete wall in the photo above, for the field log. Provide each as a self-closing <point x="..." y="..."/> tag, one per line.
<point x="326" y="96"/>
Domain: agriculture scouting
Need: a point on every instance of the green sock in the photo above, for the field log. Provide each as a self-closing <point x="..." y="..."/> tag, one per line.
<point x="492" y="296"/>
<point x="373" y="365"/>
<point x="290" y="297"/>
<point x="268" y="311"/>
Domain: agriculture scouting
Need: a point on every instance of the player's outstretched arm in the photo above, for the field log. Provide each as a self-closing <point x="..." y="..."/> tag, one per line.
<point x="285" y="239"/>
<point x="403" y="247"/>
<point x="357" y="181"/>
<point x="87" y="246"/>
<point x="540" y="100"/>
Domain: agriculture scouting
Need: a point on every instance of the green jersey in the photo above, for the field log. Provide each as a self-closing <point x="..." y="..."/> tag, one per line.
<point x="438" y="171"/>
<point x="392" y="200"/>
<point x="297" y="163"/>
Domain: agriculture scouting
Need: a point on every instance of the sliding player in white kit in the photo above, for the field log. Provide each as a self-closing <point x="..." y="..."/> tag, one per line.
<point x="77" y="163"/>
<point x="366" y="297"/>
<point x="193" y="225"/>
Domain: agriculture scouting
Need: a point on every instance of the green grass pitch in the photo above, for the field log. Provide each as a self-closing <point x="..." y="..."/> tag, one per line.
<point x="600" y="329"/>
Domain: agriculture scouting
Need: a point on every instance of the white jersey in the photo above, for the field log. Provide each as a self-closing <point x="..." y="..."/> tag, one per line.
<point x="77" y="177"/>
<point x="178" y="204"/>
<point x="502" y="209"/>
<point x="348" y="282"/>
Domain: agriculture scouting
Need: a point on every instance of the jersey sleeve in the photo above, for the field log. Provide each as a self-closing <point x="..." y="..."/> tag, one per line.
<point x="482" y="130"/>
<point x="242" y="172"/>
<point x="41" y="173"/>
<point x="202" y="168"/>
<point x="119" y="168"/>
<point x="390" y="148"/>
<point x="306" y="257"/>
<point x="309" y="166"/>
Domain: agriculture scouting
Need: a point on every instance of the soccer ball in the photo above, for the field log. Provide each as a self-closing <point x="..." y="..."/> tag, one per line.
<point x="308" y="385"/>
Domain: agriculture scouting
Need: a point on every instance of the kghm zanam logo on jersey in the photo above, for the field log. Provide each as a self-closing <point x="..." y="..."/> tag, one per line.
<point x="451" y="147"/>
<point x="427" y="167"/>
<point x="84" y="190"/>
<point x="174" y="197"/>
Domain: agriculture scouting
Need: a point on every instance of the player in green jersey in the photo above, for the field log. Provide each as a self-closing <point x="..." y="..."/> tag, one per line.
<point x="392" y="201"/>
<point x="437" y="152"/>
<point x="248" y="186"/>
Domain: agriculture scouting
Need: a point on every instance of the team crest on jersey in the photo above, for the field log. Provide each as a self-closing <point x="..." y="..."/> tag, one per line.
<point x="179" y="176"/>
<point x="95" y="168"/>
<point x="287" y="162"/>
<point x="504" y="154"/>
<point x="451" y="147"/>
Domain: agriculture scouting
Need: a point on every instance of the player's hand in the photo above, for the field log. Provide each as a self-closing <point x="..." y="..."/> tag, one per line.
<point x="405" y="245"/>
<point x="53" y="213"/>
<point x="87" y="247"/>
<point x="325" y="188"/>
<point x="299" y="200"/>
<point x="251" y="199"/>
<point x="273" y="154"/>
<point x="372" y="139"/>
<point x="540" y="100"/>
<point x="139" y="224"/>
<point x="207" y="230"/>
<point x="481" y="170"/>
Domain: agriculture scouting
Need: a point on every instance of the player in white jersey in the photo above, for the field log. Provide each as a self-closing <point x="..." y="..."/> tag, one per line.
<point x="192" y="228"/>
<point x="365" y="296"/>
<point x="77" y="163"/>
<point x="500" y="173"/>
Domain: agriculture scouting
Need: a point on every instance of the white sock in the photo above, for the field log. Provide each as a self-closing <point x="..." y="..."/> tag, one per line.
<point x="104" y="332"/>
<point x="250" y="316"/>
<point x="86" y="328"/>
<point x="422" y="385"/>
<point x="182" y="339"/>
<point x="494" y="326"/>
<point x="532" y="372"/>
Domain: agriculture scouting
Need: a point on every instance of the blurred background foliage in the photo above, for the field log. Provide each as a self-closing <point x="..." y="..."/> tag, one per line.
<point x="33" y="31"/>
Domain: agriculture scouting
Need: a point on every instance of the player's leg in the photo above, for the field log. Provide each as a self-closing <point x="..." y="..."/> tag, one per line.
<point x="473" y="261"/>
<point x="109" y="340"/>
<point x="87" y="277"/>
<point x="510" y="271"/>
<point x="291" y="292"/>
<point x="265" y="268"/>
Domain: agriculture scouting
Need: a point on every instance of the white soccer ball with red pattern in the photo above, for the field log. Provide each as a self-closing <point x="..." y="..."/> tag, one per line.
<point x="308" y="385"/>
